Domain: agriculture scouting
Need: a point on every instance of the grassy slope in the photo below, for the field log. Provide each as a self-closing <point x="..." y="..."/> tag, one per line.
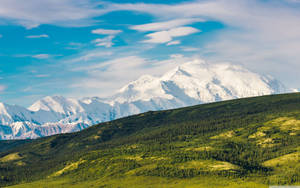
<point x="241" y="143"/>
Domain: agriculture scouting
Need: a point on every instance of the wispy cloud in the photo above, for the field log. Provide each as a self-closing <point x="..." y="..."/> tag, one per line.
<point x="167" y="30"/>
<point x="91" y="55"/>
<point x="159" y="26"/>
<point x="56" y="12"/>
<point x="175" y="42"/>
<point x="37" y="36"/>
<point x="168" y="35"/>
<point x="74" y="46"/>
<point x="41" y="56"/>
<point x="106" y="31"/>
<point x="189" y="49"/>
<point x="106" y="41"/>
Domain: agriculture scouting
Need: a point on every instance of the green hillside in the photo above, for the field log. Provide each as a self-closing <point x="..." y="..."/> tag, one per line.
<point x="251" y="142"/>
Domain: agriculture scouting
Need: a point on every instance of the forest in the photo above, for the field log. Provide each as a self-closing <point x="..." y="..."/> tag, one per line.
<point x="250" y="142"/>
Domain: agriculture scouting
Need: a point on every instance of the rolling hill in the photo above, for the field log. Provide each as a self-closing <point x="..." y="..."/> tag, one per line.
<point x="251" y="142"/>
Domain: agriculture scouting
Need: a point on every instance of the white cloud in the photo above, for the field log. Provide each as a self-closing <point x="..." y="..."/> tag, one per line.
<point x="180" y="10"/>
<point x="165" y="31"/>
<point x="189" y="49"/>
<point x="106" y="31"/>
<point x="106" y="41"/>
<point x="92" y="55"/>
<point x="175" y="42"/>
<point x="1" y="36"/>
<point x="57" y="12"/>
<point x="182" y="31"/>
<point x="37" y="36"/>
<point x="270" y="19"/>
<point x="159" y="37"/>
<point x="168" y="35"/>
<point x="159" y="26"/>
<point x="41" y="56"/>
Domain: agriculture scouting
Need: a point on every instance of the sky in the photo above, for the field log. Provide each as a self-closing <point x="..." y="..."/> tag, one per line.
<point x="84" y="48"/>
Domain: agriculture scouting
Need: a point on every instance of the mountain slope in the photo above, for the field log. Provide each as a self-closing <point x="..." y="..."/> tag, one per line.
<point x="252" y="142"/>
<point x="192" y="83"/>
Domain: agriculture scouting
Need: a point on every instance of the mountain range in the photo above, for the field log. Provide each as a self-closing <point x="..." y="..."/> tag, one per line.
<point x="191" y="83"/>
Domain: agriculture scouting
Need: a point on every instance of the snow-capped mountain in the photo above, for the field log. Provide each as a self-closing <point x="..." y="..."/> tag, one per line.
<point x="191" y="83"/>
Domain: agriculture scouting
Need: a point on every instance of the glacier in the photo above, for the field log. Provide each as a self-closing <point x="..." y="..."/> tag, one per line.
<point x="194" y="82"/>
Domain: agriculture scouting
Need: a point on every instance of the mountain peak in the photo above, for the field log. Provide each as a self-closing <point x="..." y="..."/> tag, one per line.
<point x="200" y="81"/>
<point x="144" y="79"/>
<point x="57" y="104"/>
<point x="45" y="103"/>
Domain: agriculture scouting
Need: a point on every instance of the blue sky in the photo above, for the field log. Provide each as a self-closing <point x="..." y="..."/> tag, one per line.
<point x="78" y="48"/>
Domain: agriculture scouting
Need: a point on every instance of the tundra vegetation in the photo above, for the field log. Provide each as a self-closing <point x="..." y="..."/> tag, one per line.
<point x="251" y="142"/>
